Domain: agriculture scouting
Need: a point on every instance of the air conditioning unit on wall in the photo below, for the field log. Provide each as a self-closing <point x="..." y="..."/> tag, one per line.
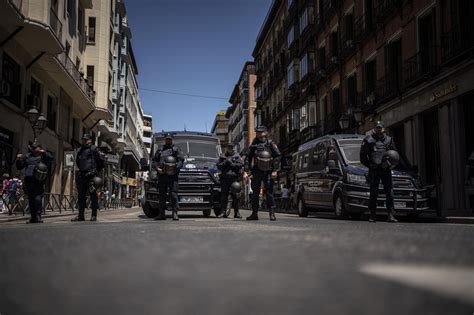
<point x="4" y="88"/>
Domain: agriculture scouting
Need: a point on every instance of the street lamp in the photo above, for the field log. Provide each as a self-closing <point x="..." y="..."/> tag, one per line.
<point x="344" y="121"/>
<point x="37" y="121"/>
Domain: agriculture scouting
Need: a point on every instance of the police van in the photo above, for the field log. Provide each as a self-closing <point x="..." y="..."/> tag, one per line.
<point x="330" y="177"/>
<point x="198" y="182"/>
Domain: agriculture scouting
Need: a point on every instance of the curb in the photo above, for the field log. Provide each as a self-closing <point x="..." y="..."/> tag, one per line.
<point x="457" y="220"/>
<point x="13" y="219"/>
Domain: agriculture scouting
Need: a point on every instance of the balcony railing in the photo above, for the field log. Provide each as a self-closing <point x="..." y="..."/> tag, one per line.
<point x="420" y="67"/>
<point x="71" y="69"/>
<point x="456" y="45"/>
<point x="388" y="86"/>
<point x="55" y="24"/>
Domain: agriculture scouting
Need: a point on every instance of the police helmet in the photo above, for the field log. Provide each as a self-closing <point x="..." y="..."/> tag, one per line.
<point x="392" y="158"/>
<point x="261" y="129"/>
<point x="97" y="182"/>
<point x="40" y="172"/>
<point x="236" y="188"/>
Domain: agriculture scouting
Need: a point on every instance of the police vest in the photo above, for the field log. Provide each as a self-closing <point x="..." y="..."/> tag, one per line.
<point x="86" y="159"/>
<point x="378" y="147"/>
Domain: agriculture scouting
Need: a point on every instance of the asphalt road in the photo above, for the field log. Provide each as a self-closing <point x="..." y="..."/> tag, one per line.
<point x="127" y="264"/>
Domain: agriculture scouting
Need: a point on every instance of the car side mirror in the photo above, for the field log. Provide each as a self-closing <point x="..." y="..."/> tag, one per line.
<point x="143" y="164"/>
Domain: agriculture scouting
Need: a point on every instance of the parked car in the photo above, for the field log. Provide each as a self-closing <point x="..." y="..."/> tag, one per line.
<point x="330" y="177"/>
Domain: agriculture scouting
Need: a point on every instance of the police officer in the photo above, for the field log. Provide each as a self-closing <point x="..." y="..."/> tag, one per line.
<point x="90" y="162"/>
<point x="262" y="160"/>
<point x="230" y="164"/>
<point x="36" y="163"/>
<point x="372" y="155"/>
<point x="168" y="161"/>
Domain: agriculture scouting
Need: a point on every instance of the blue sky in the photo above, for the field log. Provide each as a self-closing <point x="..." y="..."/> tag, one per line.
<point x="194" y="47"/>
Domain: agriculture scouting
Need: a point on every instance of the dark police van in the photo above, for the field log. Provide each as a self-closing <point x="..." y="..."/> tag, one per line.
<point x="330" y="177"/>
<point x="199" y="188"/>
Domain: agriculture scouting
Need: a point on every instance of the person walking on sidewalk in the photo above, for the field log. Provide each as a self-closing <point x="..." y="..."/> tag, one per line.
<point x="90" y="162"/>
<point x="262" y="161"/>
<point x="36" y="164"/>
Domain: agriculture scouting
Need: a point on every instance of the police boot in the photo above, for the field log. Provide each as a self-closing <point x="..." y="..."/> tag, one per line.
<point x="78" y="218"/>
<point x="253" y="216"/>
<point x="93" y="218"/>
<point x="161" y="216"/>
<point x="272" y="214"/>
<point x="237" y="214"/>
<point x="175" y="215"/>
<point x="373" y="217"/>
<point x="391" y="218"/>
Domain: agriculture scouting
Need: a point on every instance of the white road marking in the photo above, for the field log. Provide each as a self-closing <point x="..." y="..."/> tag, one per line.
<point x="450" y="281"/>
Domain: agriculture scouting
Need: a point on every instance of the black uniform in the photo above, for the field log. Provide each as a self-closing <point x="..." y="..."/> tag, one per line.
<point x="168" y="182"/>
<point x="90" y="163"/>
<point x="371" y="155"/>
<point x="259" y="176"/>
<point x="34" y="188"/>
<point x="230" y="165"/>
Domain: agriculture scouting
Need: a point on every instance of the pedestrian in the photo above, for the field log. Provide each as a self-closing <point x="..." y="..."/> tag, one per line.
<point x="36" y="164"/>
<point x="4" y="192"/>
<point x="262" y="161"/>
<point x="112" y="200"/>
<point x="285" y="198"/>
<point x="230" y="164"/>
<point x="90" y="162"/>
<point x="106" y="199"/>
<point x="168" y="161"/>
<point x="373" y="155"/>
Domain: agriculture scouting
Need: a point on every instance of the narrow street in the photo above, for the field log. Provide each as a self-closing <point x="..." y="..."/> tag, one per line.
<point x="128" y="264"/>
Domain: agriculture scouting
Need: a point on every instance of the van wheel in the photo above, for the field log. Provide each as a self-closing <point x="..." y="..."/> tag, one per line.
<point x="302" y="211"/>
<point x="339" y="207"/>
<point x="206" y="213"/>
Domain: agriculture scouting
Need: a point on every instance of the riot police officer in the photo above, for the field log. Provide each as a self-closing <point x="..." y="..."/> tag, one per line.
<point x="230" y="164"/>
<point x="373" y="154"/>
<point x="36" y="164"/>
<point x="90" y="162"/>
<point x="168" y="161"/>
<point x="262" y="160"/>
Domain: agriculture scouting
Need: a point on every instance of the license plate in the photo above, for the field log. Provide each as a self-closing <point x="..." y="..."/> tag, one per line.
<point x="397" y="204"/>
<point x="191" y="199"/>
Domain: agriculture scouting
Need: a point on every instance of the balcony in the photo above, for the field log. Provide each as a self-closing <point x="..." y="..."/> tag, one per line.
<point x="364" y="27"/>
<point x="456" y="45"/>
<point x="420" y="67"/>
<point x="333" y="60"/>
<point x="348" y="44"/>
<point x="388" y="87"/>
<point x="321" y="73"/>
<point x="74" y="73"/>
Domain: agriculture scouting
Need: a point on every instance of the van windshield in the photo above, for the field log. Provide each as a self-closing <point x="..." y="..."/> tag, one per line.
<point x="351" y="153"/>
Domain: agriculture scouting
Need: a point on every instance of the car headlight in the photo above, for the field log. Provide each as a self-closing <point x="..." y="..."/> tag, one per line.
<point x="357" y="179"/>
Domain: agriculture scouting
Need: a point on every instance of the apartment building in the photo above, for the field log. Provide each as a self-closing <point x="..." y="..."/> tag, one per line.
<point x="241" y="112"/>
<point x="42" y="45"/>
<point x="349" y="63"/>
<point x="220" y="128"/>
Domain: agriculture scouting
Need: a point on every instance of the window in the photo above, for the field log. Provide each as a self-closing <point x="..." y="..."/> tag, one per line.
<point x="80" y="21"/>
<point x="291" y="36"/>
<point x="304" y="66"/>
<point x="336" y="101"/>
<point x="70" y="7"/>
<point x="306" y="18"/>
<point x="90" y="76"/>
<point x="304" y="116"/>
<point x="52" y="111"/>
<point x="348" y="28"/>
<point x="11" y="78"/>
<point x="91" y="30"/>
<point x="296" y="119"/>
<point x="290" y="3"/>
<point x="292" y="73"/>
<point x="319" y="156"/>
<point x="351" y="84"/>
<point x="369" y="77"/>
<point x="35" y="92"/>
<point x="334" y="43"/>
<point x="322" y="58"/>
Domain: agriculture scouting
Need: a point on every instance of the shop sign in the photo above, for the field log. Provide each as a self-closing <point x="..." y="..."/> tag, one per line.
<point x="69" y="160"/>
<point x="129" y="181"/>
<point x="448" y="90"/>
<point x="6" y="136"/>
<point x="113" y="158"/>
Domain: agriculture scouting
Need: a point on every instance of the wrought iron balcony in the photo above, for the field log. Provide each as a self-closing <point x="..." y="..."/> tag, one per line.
<point x="71" y="69"/>
<point x="388" y="87"/>
<point x="420" y="67"/>
<point x="456" y="45"/>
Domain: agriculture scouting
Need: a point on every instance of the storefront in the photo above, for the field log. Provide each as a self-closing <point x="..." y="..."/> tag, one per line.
<point x="6" y="151"/>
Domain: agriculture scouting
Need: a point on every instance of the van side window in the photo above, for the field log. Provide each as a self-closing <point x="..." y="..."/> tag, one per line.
<point x="319" y="157"/>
